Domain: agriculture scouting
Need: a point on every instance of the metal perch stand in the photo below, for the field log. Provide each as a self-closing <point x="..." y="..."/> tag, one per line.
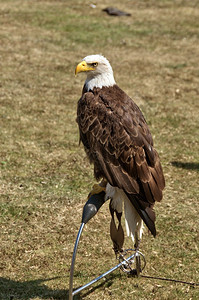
<point x="125" y="261"/>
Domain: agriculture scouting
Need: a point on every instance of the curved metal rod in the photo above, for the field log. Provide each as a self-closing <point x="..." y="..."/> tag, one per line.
<point x="90" y="209"/>
<point x="73" y="261"/>
<point x="125" y="260"/>
<point x="102" y="275"/>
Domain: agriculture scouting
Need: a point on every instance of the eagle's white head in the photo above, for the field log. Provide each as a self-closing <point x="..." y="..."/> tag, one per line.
<point x="99" y="71"/>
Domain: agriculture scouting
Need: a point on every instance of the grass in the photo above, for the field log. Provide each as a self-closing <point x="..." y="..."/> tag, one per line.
<point x="45" y="176"/>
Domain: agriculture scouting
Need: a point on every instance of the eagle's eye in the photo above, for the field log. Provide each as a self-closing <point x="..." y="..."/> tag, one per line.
<point x="95" y="64"/>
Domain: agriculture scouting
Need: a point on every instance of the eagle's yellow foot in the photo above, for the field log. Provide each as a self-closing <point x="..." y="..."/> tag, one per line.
<point x="98" y="188"/>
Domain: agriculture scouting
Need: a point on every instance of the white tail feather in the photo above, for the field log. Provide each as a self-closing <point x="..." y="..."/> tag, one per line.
<point x="133" y="220"/>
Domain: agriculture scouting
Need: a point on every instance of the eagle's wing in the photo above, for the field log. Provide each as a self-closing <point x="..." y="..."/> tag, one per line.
<point x="117" y="140"/>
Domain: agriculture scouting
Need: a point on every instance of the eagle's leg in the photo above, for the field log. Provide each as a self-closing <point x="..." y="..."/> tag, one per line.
<point x="98" y="188"/>
<point x="116" y="232"/>
<point x="137" y="241"/>
<point x="137" y="256"/>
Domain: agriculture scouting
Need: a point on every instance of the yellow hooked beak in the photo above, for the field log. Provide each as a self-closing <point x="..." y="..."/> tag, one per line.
<point x="83" y="67"/>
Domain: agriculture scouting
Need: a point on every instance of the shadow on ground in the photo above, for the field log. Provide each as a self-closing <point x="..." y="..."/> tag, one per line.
<point x="12" y="290"/>
<point x="186" y="165"/>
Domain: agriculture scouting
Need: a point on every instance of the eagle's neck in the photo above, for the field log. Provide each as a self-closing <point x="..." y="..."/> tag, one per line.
<point x="100" y="80"/>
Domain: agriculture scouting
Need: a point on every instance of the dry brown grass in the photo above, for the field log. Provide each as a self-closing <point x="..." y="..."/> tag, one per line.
<point x="45" y="176"/>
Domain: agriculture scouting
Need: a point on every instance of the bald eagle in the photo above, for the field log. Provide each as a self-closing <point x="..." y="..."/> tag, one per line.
<point x="118" y="142"/>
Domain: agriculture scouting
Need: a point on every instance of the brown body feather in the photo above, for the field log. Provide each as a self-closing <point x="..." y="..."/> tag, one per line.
<point x="117" y="140"/>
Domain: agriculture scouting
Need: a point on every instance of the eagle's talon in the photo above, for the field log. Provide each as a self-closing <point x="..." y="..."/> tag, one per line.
<point x="97" y="188"/>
